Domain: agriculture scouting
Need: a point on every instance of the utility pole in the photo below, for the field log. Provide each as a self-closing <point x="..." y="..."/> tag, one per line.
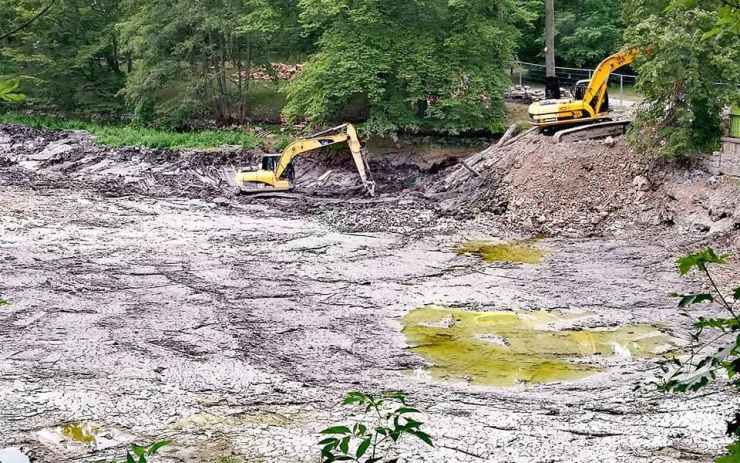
<point x="552" y="86"/>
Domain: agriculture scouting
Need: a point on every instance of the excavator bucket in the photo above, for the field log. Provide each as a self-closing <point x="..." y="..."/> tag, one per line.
<point x="359" y="157"/>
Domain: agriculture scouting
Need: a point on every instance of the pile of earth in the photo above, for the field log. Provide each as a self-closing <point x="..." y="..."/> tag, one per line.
<point x="593" y="187"/>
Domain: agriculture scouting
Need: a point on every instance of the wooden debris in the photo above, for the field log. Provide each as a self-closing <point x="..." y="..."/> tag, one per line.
<point x="325" y="175"/>
<point x="467" y="166"/>
<point x="508" y="135"/>
<point x="521" y="135"/>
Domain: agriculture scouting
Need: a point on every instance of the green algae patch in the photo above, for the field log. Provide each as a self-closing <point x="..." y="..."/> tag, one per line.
<point x="506" y="348"/>
<point x="521" y="252"/>
<point x="84" y="433"/>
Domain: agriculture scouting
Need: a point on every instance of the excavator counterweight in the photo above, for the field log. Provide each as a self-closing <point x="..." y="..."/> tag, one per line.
<point x="277" y="172"/>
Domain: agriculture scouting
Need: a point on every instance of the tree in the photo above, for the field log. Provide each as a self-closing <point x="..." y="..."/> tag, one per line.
<point x="728" y="19"/>
<point x="587" y="31"/>
<point x="686" y="77"/>
<point x="406" y="64"/>
<point x="69" y="55"/>
<point x="193" y="57"/>
<point x="552" y="85"/>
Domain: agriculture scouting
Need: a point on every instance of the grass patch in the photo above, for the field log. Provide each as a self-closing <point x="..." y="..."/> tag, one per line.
<point x="518" y="114"/>
<point x="118" y="135"/>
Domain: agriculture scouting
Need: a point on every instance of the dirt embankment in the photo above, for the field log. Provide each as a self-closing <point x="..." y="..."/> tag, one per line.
<point x="532" y="185"/>
<point x="591" y="188"/>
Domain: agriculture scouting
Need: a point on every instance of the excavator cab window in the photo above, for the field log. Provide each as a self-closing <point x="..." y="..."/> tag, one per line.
<point x="579" y="89"/>
<point x="270" y="161"/>
<point x="579" y="92"/>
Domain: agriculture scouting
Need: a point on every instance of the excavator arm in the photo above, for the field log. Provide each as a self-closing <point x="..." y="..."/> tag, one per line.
<point x="262" y="180"/>
<point x="593" y="97"/>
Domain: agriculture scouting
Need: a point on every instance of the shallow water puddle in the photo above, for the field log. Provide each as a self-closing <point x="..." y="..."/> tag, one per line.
<point x="84" y="433"/>
<point x="521" y="252"/>
<point x="81" y="435"/>
<point x="505" y="348"/>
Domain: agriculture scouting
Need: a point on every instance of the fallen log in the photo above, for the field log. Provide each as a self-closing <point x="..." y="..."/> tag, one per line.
<point x="507" y="136"/>
<point x="520" y="136"/>
<point x="465" y="164"/>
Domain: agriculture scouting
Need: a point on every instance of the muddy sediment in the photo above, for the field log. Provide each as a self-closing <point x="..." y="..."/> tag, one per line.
<point x="234" y="326"/>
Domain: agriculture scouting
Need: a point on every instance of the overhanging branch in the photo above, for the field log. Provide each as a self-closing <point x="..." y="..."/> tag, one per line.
<point x="29" y="22"/>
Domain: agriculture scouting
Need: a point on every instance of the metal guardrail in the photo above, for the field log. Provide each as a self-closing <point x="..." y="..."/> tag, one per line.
<point x="524" y="73"/>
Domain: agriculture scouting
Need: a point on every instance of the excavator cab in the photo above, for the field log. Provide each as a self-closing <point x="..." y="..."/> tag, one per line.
<point x="579" y="92"/>
<point x="270" y="163"/>
<point x="579" y="89"/>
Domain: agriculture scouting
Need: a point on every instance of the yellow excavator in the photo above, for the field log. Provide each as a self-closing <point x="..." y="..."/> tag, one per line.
<point x="277" y="172"/>
<point x="590" y="102"/>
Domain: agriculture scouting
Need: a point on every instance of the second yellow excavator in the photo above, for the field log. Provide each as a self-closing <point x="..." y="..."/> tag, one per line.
<point x="277" y="172"/>
<point x="590" y="100"/>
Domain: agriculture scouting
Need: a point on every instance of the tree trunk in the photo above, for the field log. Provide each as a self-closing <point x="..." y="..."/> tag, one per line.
<point x="552" y="86"/>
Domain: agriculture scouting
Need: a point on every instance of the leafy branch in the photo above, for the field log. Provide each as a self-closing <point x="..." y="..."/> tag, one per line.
<point x="139" y="454"/>
<point x="690" y="375"/>
<point x="8" y="91"/>
<point x="374" y="440"/>
<point x="28" y="22"/>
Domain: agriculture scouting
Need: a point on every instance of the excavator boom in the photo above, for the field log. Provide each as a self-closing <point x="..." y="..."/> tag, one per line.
<point x="594" y="94"/>
<point x="277" y="179"/>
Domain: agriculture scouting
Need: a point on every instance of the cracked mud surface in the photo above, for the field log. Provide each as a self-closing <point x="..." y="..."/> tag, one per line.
<point x="236" y="327"/>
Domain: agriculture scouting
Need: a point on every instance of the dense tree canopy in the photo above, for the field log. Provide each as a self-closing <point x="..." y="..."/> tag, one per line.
<point x="407" y="64"/>
<point x="194" y="57"/>
<point x="434" y="65"/>
<point x="587" y="31"/>
<point x="69" y="57"/>
<point x="686" y="75"/>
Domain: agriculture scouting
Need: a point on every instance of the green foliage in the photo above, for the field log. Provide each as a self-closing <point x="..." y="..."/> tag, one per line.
<point x="699" y="261"/>
<point x="728" y="20"/>
<point x="194" y="58"/>
<point x="372" y="441"/>
<point x="70" y="56"/>
<point x="406" y="65"/>
<point x="139" y="454"/>
<point x="3" y="301"/>
<point x="8" y="92"/>
<point x="685" y="77"/>
<point x="117" y="135"/>
<point x="716" y="341"/>
<point x="265" y="101"/>
<point x="587" y="31"/>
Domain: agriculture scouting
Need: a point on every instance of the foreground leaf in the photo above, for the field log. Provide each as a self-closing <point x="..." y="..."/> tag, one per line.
<point x="699" y="261"/>
<point x="337" y="430"/>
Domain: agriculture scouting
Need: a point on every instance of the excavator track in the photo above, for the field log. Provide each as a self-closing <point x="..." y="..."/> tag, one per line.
<point x="591" y="131"/>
